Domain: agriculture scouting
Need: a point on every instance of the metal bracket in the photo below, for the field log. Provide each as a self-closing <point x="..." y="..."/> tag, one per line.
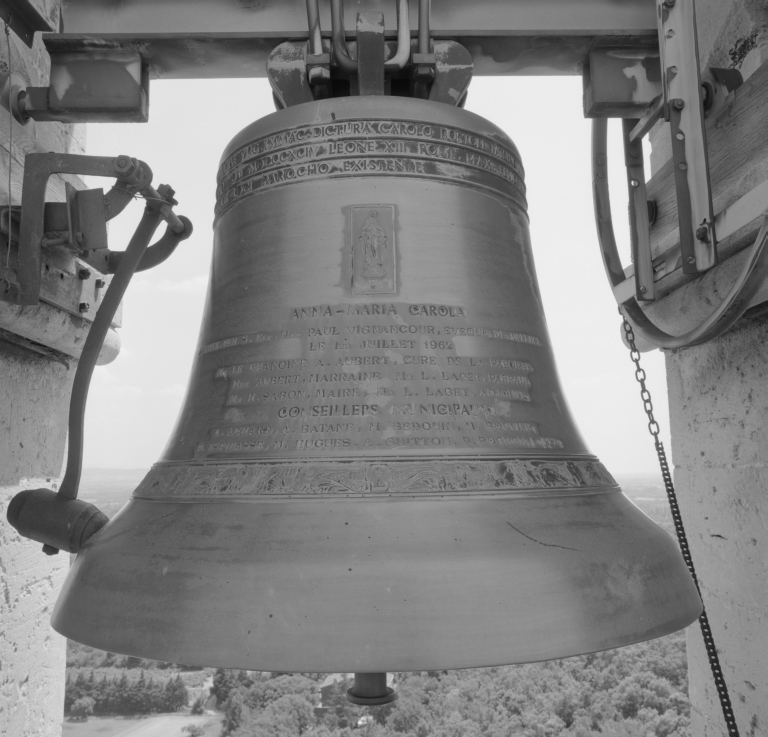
<point x="79" y="225"/>
<point x="681" y="88"/>
<point x="25" y="18"/>
<point x="93" y="87"/>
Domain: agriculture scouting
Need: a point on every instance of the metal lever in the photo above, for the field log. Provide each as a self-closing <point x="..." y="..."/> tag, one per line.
<point x="60" y="520"/>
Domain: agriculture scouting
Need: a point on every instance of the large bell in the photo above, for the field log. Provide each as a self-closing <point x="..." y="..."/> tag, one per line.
<point x="375" y="467"/>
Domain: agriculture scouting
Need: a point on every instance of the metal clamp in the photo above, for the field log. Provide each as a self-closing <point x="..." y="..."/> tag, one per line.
<point x="38" y="217"/>
<point x="752" y="276"/>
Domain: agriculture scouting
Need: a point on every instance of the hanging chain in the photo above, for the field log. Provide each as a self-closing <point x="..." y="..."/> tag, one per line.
<point x="7" y="271"/>
<point x="706" y="631"/>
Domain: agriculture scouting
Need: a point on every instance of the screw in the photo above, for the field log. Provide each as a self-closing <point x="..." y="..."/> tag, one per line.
<point x="680" y="136"/>
<point x="84" y="274"/>
<point x="634" y="183"/>
<point x="84" y="307"/>
<point x="683" y="165"/>
<point x="691" y="260"/>
<point x="678" y="104"/>
<point x="643" y="290"/>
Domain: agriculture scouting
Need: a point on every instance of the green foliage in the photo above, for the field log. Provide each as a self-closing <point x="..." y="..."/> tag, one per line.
<point x="193" y="730"/>
<point x="82" y="708"/>
<point x="637" y="691"/>
<point x="125" y="697"/>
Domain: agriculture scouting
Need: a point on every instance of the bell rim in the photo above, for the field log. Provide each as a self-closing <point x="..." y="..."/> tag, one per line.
<point x="545" y="595"/>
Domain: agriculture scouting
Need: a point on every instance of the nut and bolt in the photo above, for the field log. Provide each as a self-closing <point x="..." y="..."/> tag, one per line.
<point x="678" y="104"/>
<point x="702" y="233"/>
<point x="124" y="165"/>
<point x="84" y="307"/>
<point x="100" y="284"/>
<point x="167" y="192"/>
<point x="83" y="274"/>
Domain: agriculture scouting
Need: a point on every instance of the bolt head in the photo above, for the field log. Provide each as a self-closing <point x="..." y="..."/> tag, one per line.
<point x="691" y="260"/>
<point x="678" y="104"/>
<point x="124" y="165"/>
<point x="634" y="183"/>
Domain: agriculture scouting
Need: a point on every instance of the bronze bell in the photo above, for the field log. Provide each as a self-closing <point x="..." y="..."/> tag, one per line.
<point x="375" y="467"/>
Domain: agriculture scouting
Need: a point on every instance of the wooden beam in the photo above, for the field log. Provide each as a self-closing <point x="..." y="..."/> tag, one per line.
<point x="738" y="158"/>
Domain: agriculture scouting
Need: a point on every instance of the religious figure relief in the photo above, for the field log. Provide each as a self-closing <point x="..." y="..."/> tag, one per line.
<point x="373" y="268"/>
<point x="373" y="244"/>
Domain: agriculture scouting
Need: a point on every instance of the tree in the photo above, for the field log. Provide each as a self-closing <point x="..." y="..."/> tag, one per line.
<point x="193" y="730"/>
<point x="82" y="708"/>
<point x="224" y="681"/>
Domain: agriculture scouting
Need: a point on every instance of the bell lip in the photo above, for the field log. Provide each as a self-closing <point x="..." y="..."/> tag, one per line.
<point x="84" y="593"/>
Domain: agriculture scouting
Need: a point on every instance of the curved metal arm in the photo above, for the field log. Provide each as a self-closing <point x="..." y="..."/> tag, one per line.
<point x="752" y="276"/>
<point x="157" y="252"/>
<point x="400" y="59"/>
<point x="132" y="257"/>
<point x="340" y="51"/>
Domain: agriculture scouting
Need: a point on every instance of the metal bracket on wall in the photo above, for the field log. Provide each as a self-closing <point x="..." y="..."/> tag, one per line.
<point x="25" y="18"/>
<point x="77" y="226"/>
<point x="100" y="86"/>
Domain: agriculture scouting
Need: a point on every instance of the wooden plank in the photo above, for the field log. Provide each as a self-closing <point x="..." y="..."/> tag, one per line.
<point x="738" y="157"/>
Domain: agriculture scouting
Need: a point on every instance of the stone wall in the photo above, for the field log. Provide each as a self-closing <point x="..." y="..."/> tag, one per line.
<point x="34" y="396"/>
<point x="718" y="400"/>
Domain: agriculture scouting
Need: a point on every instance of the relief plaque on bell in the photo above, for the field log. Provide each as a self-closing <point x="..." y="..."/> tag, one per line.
<point x="373" y="249"/>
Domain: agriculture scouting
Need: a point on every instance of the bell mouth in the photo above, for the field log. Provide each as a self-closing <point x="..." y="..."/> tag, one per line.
<point x="375" y="584"/>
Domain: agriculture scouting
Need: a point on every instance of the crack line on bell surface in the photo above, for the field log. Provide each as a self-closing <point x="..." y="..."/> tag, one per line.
<point x="548" y="545"/>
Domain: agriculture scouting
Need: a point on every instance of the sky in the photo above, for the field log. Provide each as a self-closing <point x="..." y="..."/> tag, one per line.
<point x="134" y="401"/>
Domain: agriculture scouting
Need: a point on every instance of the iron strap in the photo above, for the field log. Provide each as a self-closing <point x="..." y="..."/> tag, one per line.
<point x="706" y="631"/>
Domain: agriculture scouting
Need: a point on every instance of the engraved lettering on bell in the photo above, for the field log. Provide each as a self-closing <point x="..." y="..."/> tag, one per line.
<point x="373" y="249"/>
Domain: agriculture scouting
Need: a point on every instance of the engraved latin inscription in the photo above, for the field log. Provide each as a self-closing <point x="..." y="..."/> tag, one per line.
<point x="370" y="148"/>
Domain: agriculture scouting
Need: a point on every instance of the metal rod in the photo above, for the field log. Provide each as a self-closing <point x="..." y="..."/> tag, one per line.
<point x="648" y="120"/>
<point x="315" y="35"/>
<point x="424" y="11"/>
<point x="101" y="324"/>
<point x="340" y="51"/>
<point x="400" y="59"/>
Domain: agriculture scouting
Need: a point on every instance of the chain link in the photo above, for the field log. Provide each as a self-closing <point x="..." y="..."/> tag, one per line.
<point x="682" y="539"/>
